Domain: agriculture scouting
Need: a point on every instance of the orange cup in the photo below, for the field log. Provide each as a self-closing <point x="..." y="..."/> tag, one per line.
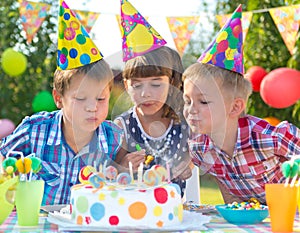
<point x="282" y="202"/>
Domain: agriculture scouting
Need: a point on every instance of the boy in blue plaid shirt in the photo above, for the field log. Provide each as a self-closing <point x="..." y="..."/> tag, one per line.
<point x="77" y="135"/>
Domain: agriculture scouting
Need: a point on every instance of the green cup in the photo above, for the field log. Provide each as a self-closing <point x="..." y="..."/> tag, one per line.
<point x="6" y="206"/>
<point x="29" y="196"/>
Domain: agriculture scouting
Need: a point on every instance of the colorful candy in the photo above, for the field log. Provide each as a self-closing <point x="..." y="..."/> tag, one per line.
<point x="251" y="204"/>
<point x="85" y="174"/>
<point x="36" y="164"/>
<point x="148" y="159"/>
<point x="289" y="169"/>
<point x="24" y="165"/>
<point x="124" y="178"/>
<point x="9" y="165"/>
<point x="111" y="172"/>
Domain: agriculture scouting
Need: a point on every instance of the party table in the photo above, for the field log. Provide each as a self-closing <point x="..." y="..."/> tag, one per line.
<point x="216" y="224"/>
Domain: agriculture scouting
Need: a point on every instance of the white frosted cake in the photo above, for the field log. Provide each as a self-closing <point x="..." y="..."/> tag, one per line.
<point x="136" y="204"/>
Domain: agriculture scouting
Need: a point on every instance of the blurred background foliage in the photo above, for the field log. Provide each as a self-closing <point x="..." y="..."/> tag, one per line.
<point x="263" y="47"/>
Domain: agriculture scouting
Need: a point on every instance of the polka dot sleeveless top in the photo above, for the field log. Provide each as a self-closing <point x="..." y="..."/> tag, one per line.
<point x="171" y="147"/>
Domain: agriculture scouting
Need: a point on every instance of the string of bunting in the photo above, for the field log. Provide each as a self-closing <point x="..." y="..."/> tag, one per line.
<point x="286" y="19"/>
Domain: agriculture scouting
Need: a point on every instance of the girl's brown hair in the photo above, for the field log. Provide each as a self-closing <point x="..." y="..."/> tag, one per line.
<point x="160" y="62"/>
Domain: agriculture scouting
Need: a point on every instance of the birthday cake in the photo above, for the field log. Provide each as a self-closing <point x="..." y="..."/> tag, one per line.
<point x="117" y="200"/>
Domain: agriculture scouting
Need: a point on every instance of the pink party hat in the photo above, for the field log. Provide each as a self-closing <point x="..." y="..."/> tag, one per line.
<point x="139" y="37"/>
<point x="75" y="47"/>
<point x="226" y="50"/>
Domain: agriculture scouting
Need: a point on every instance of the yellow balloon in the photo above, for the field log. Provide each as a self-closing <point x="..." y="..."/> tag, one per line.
<point x="140" y="36"/>
<point x="13" y="63"/>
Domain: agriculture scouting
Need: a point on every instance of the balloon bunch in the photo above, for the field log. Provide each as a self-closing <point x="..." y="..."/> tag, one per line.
<point x="278" y="88"/>
<point x="291" y="170"/>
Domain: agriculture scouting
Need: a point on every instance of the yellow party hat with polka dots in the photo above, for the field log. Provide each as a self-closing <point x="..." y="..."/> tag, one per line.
<point x="75" y="47"/>
<point x="226" y="50"/>
<point x="139" y="37"/>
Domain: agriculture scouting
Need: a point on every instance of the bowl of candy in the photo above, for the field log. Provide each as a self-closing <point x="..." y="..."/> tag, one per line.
<point x="249" y="212"/>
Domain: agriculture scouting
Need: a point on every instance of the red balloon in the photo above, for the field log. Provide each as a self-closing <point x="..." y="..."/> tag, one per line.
<point x="255" y="75"/>
<point x="6" y="127"/>
<point x="280" y="88"/>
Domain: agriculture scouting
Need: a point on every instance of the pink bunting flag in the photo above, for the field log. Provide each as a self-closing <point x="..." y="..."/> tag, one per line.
<point x="182" y="29"/>
<point x="32" y="16"/>
<point x="246" y="21"/>
<point x="87" y="19"/>
<point x="287" y="21"/>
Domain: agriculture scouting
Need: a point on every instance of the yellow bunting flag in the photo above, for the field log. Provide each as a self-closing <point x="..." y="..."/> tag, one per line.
<point x="182" y="29"/>
<point x="287" y="21"/>
<point x="246" y="21"/>
<point x="32" y="16"/>
<point x="87" y="19"/>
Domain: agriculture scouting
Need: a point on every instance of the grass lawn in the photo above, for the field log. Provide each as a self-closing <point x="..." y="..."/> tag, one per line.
<point x="209" y="191"/>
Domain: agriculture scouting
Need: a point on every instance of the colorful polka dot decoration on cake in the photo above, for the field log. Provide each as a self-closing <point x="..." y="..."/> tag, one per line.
<point x="127" y="208"/>
<point x="105" y="198"/>
<point x="75" y="47"/>
<point x="226" y="50"/>
<point x="139" y="37"/>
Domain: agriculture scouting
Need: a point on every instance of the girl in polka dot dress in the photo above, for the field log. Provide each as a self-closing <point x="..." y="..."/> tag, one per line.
<point x="155" y="131"/>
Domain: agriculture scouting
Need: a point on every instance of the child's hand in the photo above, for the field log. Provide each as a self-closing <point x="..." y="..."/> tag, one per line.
<point x="135" y="158"/>
<point x="182" y="171"/>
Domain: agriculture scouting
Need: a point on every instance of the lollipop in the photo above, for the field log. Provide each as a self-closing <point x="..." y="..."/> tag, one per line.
<point x="151" y="178"/>
<point x="124" y="178"/>
<point x="36" y="164"/>
<point x="97" y="180"/>
<point x="161" y="171"/>
<point x="85" y="174"/>
<point x="289" y="170"/>
<point x="24" y="165"/>
<point x="9" y="165"/>
<point x="111" y="172"/>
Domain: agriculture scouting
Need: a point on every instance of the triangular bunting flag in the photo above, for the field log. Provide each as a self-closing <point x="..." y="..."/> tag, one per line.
<point x="32" y="16"/>
<point x="182" y="29"/>
<point x="287" y="21"/>
<point x="87" y="19"/>
<point x="75" y="47"/>
<point x="246" y="21"/>
<point x="139" y="37"/>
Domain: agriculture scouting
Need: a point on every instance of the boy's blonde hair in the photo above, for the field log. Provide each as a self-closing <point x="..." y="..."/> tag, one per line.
<point x="99" y="70"/>
<point x="233" y="84"/>
<point x="160" y="62"/>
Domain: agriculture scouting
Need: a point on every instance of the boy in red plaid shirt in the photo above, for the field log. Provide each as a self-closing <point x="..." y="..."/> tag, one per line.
<point x="243" y="152"/>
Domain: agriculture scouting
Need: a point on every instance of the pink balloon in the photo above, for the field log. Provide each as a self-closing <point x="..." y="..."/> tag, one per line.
<point x="6" y="127"/>
<point x="280" y="87"/>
